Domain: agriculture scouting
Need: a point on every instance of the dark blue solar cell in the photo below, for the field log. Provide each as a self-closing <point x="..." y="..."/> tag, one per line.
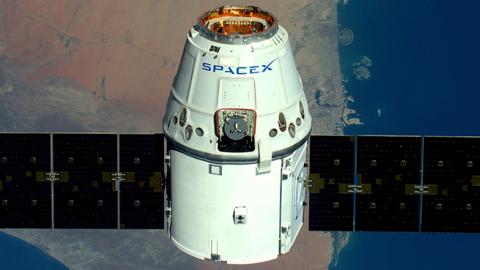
<point x="24" y="192"/>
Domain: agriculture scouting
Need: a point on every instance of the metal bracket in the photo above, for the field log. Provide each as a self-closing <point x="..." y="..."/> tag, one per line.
<point x="167" y="159"/>
<point x="117" y="178"/>
<point x="286" y="231"/>
<point x="168" y="212"/>
<point x="168" y="215"/>
<point x="355" y="189"/>
<point x="307" y="183"/>
<point x="214" y="254"/>
<point x="215" y="257"/>
<point x="287" y="170"/>
<point x="420" y="189"/>
<point x="240" y="214"/>
<point x="52" y="176"/>
<point x="264" y="156"/>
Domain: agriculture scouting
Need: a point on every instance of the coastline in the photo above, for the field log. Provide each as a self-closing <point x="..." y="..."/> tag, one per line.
<point x="31" y="254"/>
<point x="315" y="41"/>
<point x="349" y="117"/>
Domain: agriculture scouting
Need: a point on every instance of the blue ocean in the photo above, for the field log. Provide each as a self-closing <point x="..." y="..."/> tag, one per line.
<point x="423" y="80"/>
<point x="425" y="66"/>
<point x="17" y="254"/>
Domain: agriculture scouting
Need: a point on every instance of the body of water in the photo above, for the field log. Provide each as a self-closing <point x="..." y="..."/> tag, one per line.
<point x="425" y="62"/>
<point x="423" y="80"/>
<point x="400" y="251"/>
<point x="19" y="255"/>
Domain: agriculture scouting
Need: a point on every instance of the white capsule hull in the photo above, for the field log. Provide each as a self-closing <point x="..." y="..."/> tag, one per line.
<point x="206" y="197"/>
<point x="237" y="123"/>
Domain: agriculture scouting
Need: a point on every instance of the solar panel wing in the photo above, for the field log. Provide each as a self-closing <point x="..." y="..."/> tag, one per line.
<point x="331" y="172"/>
<point x="24" y="190"/>
<point x="388" y="169"/>
<point x="142" y="191"/>
<point x="85" y="194"/>
<point x="451" y="202"/>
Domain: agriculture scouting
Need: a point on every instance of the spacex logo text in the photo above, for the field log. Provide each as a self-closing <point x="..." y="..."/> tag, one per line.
<point x="240" y="70"/>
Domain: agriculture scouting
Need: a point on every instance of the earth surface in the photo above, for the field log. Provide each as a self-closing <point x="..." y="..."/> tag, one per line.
<point x="107" y="66"/>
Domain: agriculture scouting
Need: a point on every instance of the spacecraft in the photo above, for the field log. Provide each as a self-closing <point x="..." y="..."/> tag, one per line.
<point x="229" y="177"/>
<point x="237" y="124"/>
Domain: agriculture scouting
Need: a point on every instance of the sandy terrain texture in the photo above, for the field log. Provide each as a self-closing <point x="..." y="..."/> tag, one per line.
<point x="107" y="65"/>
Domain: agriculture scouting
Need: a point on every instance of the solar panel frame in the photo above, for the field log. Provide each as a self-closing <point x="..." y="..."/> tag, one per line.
<point x="85" y="195"/>
<point x="24" y="192"/>
<point x="331" y="172"/>
<point x="388" y="169"/>
<point x="142" y="193"/>
<point x="451" y="202"/>
<point x="339" y="166"/>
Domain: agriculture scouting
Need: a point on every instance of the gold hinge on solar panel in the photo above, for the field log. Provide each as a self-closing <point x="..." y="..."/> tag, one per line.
<point x="117" y="178"/>
<point x="355" y="188"/>
<point x="52" y="176"/>
<point x="308" y="183"/>
<point x="419" y="189"/>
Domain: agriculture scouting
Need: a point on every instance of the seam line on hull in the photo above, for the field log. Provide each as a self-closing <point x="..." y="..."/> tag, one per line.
<point x="219" y="159"/>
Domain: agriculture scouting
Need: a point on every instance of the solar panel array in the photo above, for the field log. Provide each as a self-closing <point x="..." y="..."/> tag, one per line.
<point x="24" y="192"/>
<point x="395" y="183"/>
<point x="452" y="178"/>
<point x="359" y="183"/>
<point x="81" y="181"/>
<point x="386" y="168"/>
<point x="331" y="170"/>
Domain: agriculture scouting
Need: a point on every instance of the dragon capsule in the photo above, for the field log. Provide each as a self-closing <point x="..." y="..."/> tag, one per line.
<point x="237" y="126"/>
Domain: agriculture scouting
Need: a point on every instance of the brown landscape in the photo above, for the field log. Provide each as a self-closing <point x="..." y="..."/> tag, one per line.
<point x="108" y="65"/>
